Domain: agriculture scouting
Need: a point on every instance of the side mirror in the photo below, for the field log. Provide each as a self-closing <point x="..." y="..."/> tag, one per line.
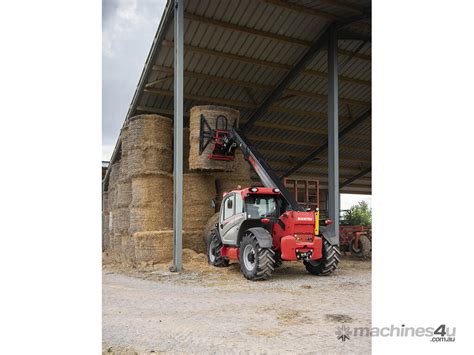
<point x="229" y="203"/>
<point x="213" y="203"/>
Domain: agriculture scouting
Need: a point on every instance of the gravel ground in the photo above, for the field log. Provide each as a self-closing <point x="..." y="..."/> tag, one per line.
<point x="215" y="310"/>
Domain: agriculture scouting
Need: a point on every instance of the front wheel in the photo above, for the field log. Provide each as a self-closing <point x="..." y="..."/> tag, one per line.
<point x="214" y="246"/>
<point x="256" y="263"/>
<point x="328" y="263"/>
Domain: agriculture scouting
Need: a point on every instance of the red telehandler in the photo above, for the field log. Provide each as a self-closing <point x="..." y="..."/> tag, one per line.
<point x="262" y="226"/>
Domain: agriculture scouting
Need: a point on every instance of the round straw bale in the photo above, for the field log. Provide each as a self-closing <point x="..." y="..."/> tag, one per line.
<point x="201" y="161"/>
<point x="151" y="218"/>
<point x="124" y="169"/>
<point x="192" y="239"/>
<point x="120" y="225"/>
<point x="210" y="224"/>
<point x="112" y="185"/>
<point x="124" y="193"/>
<point x="226" y="182"/>
<point x="112" y="197"/>
<point x="152" y="190"/>
<point x="114" y="173"/>
<point x="232" y="183"/>
<point x="145" y="130"/>
<point x="120" y="220"/>
<point x="128" y="249"/>
<point x="198" y="191"/>
<point x="149" y="159"/>
<point x="105" y="221"/>
<point x="153" y="247"/>
<point x="105" y="201"/>
<point x="125" y="139"/>
<point x="115" y="242"/>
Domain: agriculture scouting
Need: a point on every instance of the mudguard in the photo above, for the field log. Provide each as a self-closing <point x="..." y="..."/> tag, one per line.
<point x="329" y="233"/>
<point x="263" y="236"/>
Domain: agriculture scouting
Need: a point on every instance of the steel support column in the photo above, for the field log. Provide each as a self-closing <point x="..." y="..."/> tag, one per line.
<point x="178" y="136"/>
<point x="333" y="131"/>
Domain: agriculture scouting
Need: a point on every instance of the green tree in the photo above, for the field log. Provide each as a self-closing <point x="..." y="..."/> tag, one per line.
<point x="359" y="215"/>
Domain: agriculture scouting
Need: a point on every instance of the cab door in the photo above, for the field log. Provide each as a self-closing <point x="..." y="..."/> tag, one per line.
<point x="231" y="218"/>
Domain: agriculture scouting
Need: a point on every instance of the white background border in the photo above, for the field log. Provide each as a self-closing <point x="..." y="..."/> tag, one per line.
<point x="51" y="153"/>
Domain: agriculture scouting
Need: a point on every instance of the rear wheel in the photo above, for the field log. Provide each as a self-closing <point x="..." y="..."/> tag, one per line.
<point x="361" y="251"/>
<point x="256" y="263"/>
<point x="328" y="263"/>
<point x="214" y="246"/>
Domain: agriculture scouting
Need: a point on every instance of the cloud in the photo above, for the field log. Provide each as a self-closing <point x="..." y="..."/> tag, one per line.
<point x="107" y="150"/>
<point x="128" y="29"/>
<point x="120" y="18"/>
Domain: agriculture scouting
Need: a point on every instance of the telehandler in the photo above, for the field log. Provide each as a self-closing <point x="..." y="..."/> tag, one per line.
<point x="260" y="227"/>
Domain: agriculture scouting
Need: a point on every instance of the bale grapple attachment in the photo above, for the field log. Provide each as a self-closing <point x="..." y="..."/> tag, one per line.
<point x="218" y="137"/>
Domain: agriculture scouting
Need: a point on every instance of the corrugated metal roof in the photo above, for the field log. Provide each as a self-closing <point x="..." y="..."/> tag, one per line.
<point x="235" y="54"/>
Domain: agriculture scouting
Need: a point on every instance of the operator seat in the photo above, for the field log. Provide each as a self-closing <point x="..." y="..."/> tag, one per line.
<point x="252" y="211"/>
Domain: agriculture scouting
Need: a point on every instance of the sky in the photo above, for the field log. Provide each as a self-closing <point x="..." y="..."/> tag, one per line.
<point x="128" y="29"/>
<point x="349" y="200"/>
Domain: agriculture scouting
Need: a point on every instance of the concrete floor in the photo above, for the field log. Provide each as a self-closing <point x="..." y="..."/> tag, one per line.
<point x="215" y="310"/>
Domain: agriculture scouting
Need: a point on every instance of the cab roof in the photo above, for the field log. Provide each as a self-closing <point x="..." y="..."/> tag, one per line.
<point x="255" y="191"/>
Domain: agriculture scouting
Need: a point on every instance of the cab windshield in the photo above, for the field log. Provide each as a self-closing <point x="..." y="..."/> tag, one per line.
<point x="261" y="206"/>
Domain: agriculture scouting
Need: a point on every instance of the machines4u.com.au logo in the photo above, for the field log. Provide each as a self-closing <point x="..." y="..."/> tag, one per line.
<point x="441" y="333"/>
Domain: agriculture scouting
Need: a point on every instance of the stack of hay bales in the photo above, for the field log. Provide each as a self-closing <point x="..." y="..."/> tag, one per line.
<point x="138" y="205"/>
<point x="114" y="237"/>
<point x="150" y="164"/>
<point x="124" y="197"/>
<point x="229" y="174"/>
<point x="198" y="191"/>
<point x="225" y="175"/>
<point x="105" y="221"/>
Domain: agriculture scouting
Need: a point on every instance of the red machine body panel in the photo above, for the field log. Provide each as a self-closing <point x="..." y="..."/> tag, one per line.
<point x="294" y="233"/>
<point x="230" y="252"/>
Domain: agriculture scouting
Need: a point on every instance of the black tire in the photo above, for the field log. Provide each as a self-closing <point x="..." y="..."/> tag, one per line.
<point x="210" y="225"/>
<point x="214" y="245"/>
<point x="262" y="265"/>
<point x="365" y="246"/>
<point x="278" y="261"/>
<point x="328" y="263"/>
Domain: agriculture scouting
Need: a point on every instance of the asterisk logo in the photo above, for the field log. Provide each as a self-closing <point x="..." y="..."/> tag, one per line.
<point x="343" y="333"/>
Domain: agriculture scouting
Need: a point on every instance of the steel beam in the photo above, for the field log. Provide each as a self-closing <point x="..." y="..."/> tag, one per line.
<point x="178" y="136"/>
<point x="333" y="131"/>
<point x="249" y="60"/>
<point x="355" y="36"/>
<point x="324" y="146"/>
<point x="355" y="177"/>
<point x="275" y="94"/>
